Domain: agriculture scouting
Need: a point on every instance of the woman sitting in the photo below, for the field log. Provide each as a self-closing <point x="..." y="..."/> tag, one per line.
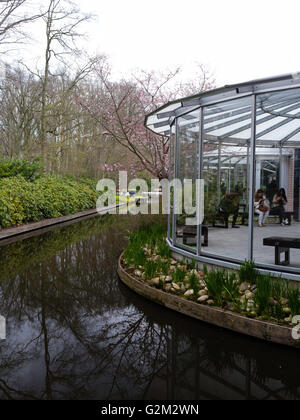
<point x="262" y="207"/>
<point x="279" y="203"/>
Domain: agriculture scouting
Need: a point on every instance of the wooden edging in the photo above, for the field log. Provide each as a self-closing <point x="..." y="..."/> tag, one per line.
<point x="29" y="227"/>
<point x="211" y="315"/>
<point x="13" y="234"/>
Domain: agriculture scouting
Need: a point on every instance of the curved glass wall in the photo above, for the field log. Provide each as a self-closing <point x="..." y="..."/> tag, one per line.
<point x="225" y="171"/>
<point x="186" y="172"/>
<point x="247" y="152"/>
<point x="277" y="126"/>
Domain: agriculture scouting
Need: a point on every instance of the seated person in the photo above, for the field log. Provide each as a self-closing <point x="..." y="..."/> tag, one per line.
<point x="279" y="203"/>
<point x="229" y="204"/>
<point x="262" y="207"/>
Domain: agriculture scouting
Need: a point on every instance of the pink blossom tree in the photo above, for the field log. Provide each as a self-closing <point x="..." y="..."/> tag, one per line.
<point x="119" y="107"/>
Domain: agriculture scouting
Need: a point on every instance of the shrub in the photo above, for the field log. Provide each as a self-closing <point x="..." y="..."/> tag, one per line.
<point x="22" y="201"/>
<point x="14" y="167"/>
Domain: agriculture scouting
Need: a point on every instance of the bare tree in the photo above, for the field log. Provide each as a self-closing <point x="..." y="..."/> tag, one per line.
<point x="13" y="15"/>
<point x="62" y="19"/>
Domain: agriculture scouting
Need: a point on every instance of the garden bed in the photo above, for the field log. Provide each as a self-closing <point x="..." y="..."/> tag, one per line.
<point x="245" y="302"/>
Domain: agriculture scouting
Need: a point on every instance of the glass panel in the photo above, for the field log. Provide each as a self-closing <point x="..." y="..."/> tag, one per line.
<point x="187" y="169"/>
<point x="225" y="165"/>
<point x="171" y="177"/>
<point x="276" y="179"/>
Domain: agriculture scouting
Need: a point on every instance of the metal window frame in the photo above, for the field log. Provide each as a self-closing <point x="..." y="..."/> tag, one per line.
<point x="200" y="170"/>
<point x="289" y="273"/>
<point x="176" y="153"/>
<point x="211" y="98"/>
<point x="252" y="179"/>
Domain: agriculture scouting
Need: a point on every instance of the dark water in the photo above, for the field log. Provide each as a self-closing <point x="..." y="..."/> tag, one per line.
<point x="75" y="332"/>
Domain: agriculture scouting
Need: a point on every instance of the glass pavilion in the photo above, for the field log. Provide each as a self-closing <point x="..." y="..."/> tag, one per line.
<point x="238" y="139"/>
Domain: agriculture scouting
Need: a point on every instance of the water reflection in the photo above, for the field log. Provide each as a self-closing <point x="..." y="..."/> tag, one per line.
<point x="75" y="332"/>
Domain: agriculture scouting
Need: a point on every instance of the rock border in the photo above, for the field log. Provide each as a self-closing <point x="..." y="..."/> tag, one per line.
<point x="221" y="318"/>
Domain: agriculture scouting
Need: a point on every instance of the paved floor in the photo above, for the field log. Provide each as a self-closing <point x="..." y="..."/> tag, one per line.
<point x="233" y="243"/>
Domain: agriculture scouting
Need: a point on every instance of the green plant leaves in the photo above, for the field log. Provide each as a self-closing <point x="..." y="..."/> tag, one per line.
<point x="22" y="201"/>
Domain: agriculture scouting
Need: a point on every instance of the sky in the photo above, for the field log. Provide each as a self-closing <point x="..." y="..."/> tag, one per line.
<point x="237" y="40"/>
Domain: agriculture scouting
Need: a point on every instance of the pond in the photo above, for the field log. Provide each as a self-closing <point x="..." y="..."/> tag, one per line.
<point x="75" y="332"/>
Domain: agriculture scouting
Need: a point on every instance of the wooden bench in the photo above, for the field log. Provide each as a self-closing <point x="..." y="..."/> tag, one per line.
<point x="287" y="215"/>
<point x="191" y="232"/>
<point x="282" y="245"/>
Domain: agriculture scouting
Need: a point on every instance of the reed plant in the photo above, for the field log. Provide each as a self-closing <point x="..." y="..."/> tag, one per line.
<point x="263" y="294"/>
<point x="151" y="269"/>
<point x="248" y="273"/>
<point x="231" y="287"/>
<point x="178" y="276"/>
<point x="214" y="281"/>
<point x="294" y="302"/>
<point x="194" y="283"/>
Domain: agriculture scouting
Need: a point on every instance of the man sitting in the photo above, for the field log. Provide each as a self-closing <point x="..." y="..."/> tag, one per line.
<point x="229" y="205"/>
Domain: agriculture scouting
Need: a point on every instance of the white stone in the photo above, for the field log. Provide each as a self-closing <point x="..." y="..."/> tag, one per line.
<point x="168" y="287"/>
<point x="244" y="287"/>
<point x="284" y="301"/>
<point x="288" y="320"/>
<point x="203" y="299"/>
<point x="249" y="295"/>
<point x="138" y="273"/>
<point x="189" y="293"/>
<point x="155" y="282"/>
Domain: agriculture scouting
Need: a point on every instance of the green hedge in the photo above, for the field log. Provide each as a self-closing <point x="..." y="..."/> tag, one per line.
<point x="14" y="167"/>
<point x="22" y="201"/>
